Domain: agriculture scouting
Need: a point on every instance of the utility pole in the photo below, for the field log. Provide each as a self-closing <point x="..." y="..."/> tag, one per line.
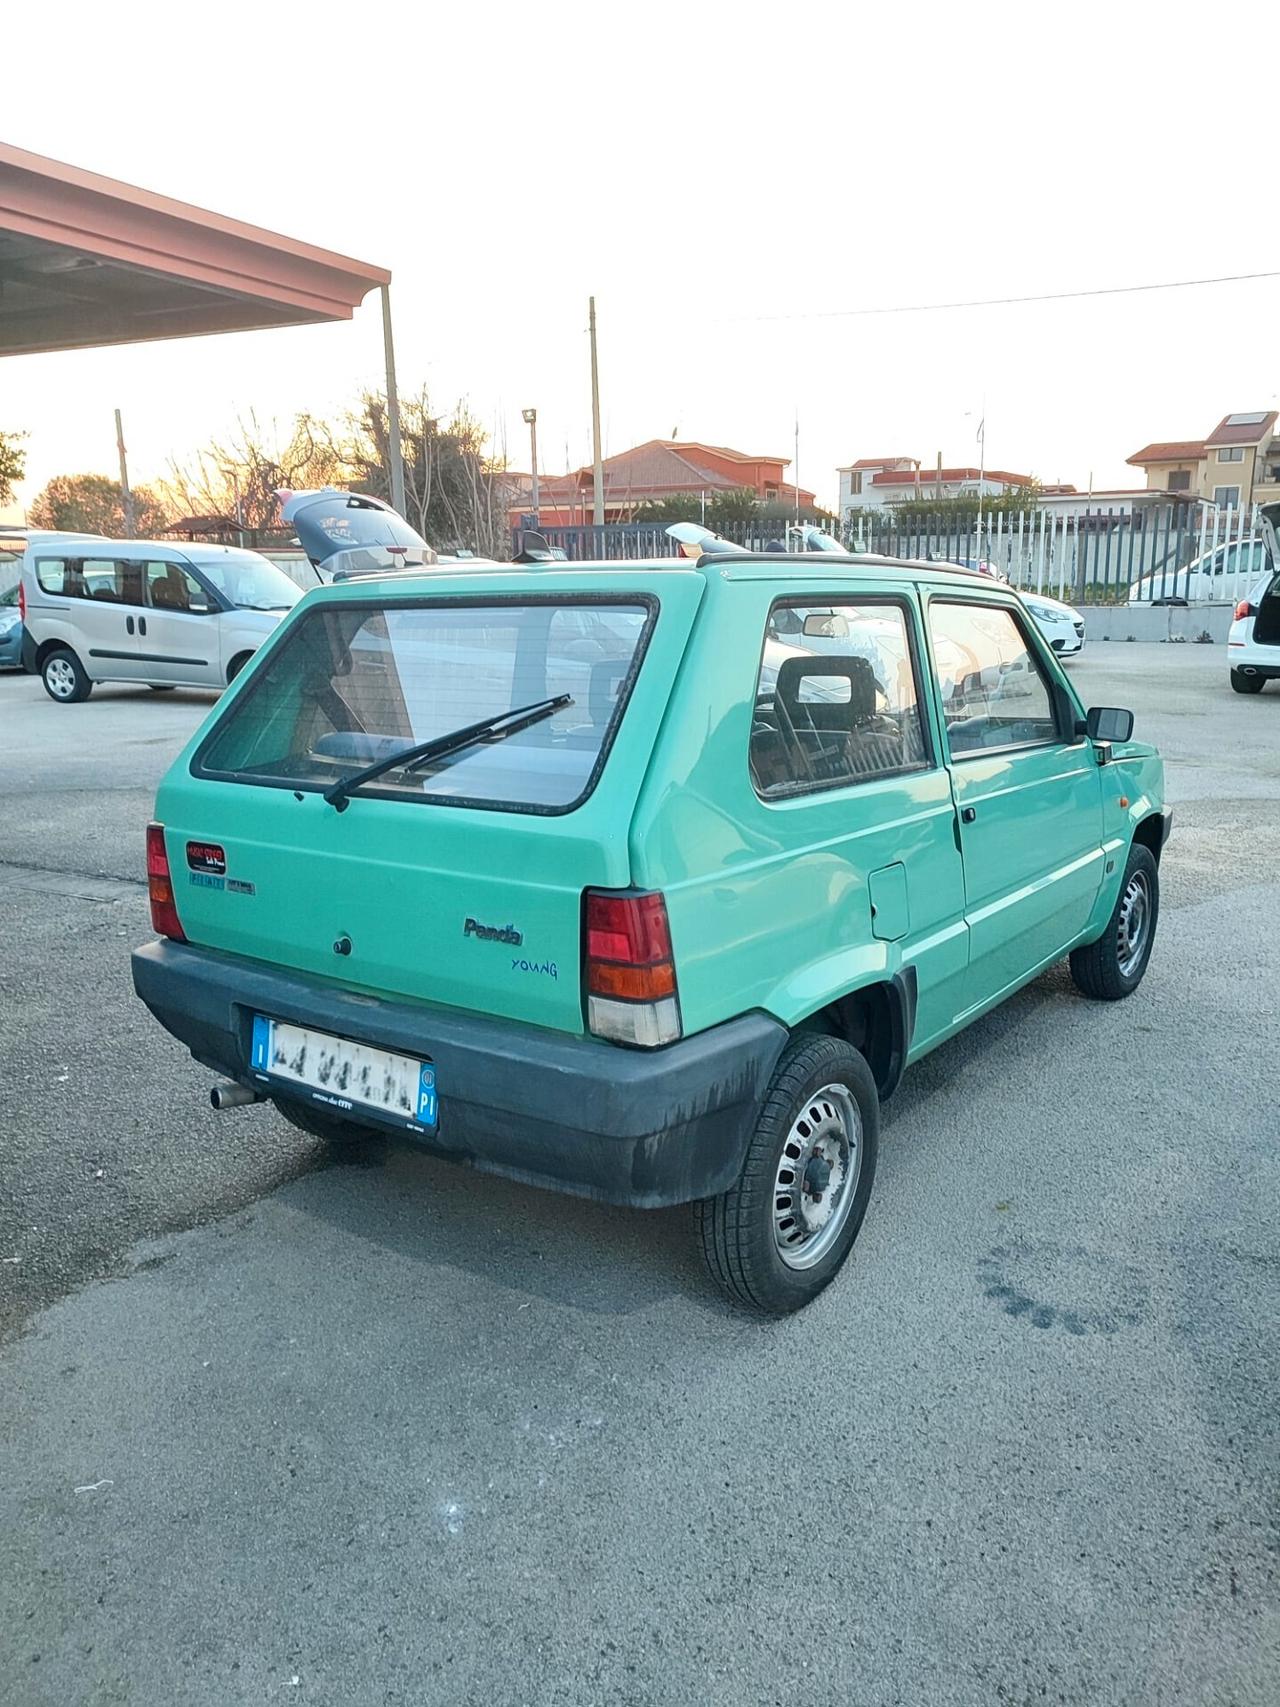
<point x="531" y="421"/>
<point x="597" y="513"/>
<point x="795" y="466"/>
<point x="126" y="495"/>
<point x="393" y="408"/>
<point x="938" y="492"/>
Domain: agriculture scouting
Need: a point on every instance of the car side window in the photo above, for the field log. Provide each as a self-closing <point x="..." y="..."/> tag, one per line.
<point x="169" y="587"/>
<point x="837" y="697"/>
<point x="51" y="573"/>
<point x="993" y="687"/>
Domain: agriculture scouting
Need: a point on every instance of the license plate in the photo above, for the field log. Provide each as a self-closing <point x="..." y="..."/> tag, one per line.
<point x="346" y="1076"/>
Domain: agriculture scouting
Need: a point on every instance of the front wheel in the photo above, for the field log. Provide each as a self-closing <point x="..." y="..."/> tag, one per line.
<point x="1113" y="967"/>
<point x="782" y="1232"/>
<point x="1247" y="684"/>
<point x="64" y="677"/>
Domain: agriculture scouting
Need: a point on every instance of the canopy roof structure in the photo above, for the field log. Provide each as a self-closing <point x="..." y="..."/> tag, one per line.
<point x="85" y="261"/>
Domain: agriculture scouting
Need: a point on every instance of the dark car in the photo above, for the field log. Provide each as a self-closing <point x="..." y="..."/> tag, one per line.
<point x="10" y="620"/>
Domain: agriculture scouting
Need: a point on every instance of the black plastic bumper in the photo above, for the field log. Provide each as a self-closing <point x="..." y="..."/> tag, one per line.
<point x="641" y="1127"/>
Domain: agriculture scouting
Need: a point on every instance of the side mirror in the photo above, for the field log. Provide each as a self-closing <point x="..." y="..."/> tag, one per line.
<point x="199" y="607"/>
<point x="1108" y="723"/>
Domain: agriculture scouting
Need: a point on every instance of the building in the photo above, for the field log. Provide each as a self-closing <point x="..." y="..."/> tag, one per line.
<point x="1238" y="465"/>
<point x="874" y="482"/>
<point x="652" y="472"/>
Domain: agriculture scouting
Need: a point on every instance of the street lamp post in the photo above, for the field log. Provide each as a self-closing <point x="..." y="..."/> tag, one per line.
<point x="531" y="421"/>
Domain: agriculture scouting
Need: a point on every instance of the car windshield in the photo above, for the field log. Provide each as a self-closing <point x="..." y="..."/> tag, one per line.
<point x="353" y="685"/>
<point x="249" y="581"/>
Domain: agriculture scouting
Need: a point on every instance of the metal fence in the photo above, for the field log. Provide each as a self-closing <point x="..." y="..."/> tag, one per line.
<point x="1176" y="553"/>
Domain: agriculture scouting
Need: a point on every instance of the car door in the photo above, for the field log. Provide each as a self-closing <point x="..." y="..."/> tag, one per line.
<point x="847" y="779"/>
<point x="180" y="640"/>
<point x="1027" y="792"/>
<point x="106" y="606"/>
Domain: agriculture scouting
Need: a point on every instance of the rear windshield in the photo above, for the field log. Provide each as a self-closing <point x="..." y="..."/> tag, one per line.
<point x="350" y="684"/>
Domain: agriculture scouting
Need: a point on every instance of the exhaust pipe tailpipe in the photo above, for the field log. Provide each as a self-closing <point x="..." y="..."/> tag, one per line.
<point x="228" y="1094"/>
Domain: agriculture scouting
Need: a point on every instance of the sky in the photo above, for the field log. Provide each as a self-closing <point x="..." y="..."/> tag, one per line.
<point x="728" y="181"/>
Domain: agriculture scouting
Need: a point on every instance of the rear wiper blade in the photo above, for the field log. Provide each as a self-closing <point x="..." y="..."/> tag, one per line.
<point x="422" y="752"/>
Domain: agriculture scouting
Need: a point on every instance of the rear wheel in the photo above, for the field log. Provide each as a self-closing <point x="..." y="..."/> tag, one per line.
<point x="344" y="1135"/>
<point x="236" y="665"/>
<point x="1113" y="967"/>
<point x="64" y="677"/>
<point x="1247" y="684"/>
<point x="782" y="1232"/>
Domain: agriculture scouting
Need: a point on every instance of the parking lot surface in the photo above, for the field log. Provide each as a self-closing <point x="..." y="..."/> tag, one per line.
<point x="275" y="1429"/>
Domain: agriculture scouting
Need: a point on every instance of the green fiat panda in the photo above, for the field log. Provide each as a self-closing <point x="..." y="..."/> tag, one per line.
<point x="643" y="881"/>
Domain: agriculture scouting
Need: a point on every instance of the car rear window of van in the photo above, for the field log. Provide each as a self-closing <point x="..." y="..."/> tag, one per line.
<point x="350" y="684"/>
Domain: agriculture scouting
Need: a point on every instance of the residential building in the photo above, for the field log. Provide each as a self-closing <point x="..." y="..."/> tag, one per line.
<point x="1236" y="466"/>
<point x="651" y="472"/>
<point x="872" y="482"/>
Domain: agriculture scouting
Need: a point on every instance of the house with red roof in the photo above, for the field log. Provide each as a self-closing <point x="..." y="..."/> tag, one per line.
<point x="874" y="482"/>
<point x="651" y="472"/>
<point x="1236" y="466"/>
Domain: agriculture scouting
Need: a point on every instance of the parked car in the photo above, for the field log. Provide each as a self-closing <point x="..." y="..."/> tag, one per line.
<point x="611" y="878"/>
<point x="1253" y="644"/>
<point x="10" y="623"/>
<point x="1061" y="624"/>
<point x="1223" y="574"/>
<point x="145" y="611"/>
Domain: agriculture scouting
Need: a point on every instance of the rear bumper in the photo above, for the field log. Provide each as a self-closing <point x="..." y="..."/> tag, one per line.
<point x="638" y="1127"/>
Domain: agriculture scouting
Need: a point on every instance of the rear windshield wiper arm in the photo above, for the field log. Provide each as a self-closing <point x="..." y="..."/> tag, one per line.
<point x="422" y="752"/>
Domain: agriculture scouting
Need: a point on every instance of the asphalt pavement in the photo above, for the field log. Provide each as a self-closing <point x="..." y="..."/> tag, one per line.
<point x="273" y="1429"/>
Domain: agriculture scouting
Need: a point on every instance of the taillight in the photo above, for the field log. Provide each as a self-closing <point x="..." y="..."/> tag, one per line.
<point x="164" y="909"/>
<point x="1243" y="609"/>
<point x="628" y="971"/>
<point x="22" y="601"/>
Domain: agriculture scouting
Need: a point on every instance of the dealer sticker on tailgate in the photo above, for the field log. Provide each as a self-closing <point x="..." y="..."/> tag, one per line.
<point x="347" y="1076"/>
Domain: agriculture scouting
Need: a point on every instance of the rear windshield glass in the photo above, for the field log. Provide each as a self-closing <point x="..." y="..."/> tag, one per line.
<point x="349" y="685"/>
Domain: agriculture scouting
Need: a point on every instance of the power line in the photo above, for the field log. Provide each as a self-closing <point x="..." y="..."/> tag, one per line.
<point x="1007" y="301"/>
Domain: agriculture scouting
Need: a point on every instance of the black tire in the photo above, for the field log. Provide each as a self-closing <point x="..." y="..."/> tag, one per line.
<point x="1107" y="970"/>
<point x="1247" y="684"/>
<point x="162" y="687"/>
<point x="344" y="1135"/>
<point x="737" y="1229"/>
<point x="236" y="665"/>
<point x="64" y="678"/>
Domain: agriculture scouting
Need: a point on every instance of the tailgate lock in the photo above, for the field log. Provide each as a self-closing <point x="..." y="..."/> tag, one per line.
<point x="343" y="945"/>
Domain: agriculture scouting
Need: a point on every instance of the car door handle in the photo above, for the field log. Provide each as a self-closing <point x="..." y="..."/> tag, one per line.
<point x="128" y="623"/>
<point x="968" y="814"/>
<point x="142" y="625"/>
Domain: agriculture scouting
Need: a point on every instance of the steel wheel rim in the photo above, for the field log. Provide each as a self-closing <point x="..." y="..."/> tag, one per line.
<point x="1135" y="922"/>
<point x="817" y="1177"/>
<point x="60" y="677"/>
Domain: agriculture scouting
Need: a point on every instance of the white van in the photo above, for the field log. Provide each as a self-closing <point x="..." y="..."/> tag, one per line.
<point x="161" y="615"/>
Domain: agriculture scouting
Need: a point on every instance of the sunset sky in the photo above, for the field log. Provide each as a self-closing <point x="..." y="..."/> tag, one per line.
<point x="724" y="179"/>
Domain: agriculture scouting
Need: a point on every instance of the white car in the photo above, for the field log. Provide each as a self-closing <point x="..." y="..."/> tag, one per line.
<point x="1224" y="574"/>
<point x="145" y="611"/>
<point x="1253" y="645"/>
<point x="1062" y="625"/>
